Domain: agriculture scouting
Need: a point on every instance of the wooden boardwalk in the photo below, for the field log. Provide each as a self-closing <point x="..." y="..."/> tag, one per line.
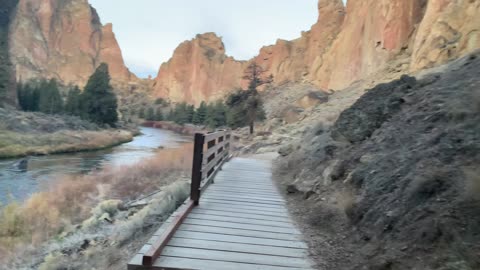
<point x="241" y="222"/>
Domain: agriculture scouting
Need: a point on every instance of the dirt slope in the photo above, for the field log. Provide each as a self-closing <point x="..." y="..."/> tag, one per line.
<point x="394" y="183"/>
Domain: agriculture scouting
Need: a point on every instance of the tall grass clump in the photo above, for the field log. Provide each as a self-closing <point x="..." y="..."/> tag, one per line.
<point x="70" y="200"/>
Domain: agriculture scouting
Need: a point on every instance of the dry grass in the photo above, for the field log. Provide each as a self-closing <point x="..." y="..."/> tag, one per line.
<point x="13" y="144"/>
<point x="345" y="200"/>
<point x="71" y="200"/>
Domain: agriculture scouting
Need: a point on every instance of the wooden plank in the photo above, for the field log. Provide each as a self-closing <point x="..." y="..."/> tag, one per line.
<point x="219" y="188"/>
<point x="236" y="247"/>
<point x="211" y="151"/>
<point x="242" y="184"/>
<point x="242" y="210"/>
<point x="235" y="214"/>
<point x="228" y="185"/>
<point x="197" y="168"/>
<point x="240" y="239"/>
<point x="261" y="203"/>
<point x="175" y="263"/>
<point x="214" y="135"/>
<point x="237" y="176"/>
<point x="253" y="204"/>
<point x="279" y="224"/>
<point x="213" y="163"/>
<point x="244" y="197"/>
<point x="236" y="257"/>
<point x="237" y="207"/>
<point x="240" y="215"/>
<point x="227" y="193"/>
<point x="232" y="225"/>
<point x="239" y="232"/>
<point x="153" y="253"/>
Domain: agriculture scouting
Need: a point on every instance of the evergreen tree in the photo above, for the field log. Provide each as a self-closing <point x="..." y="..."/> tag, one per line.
<point x="141" y="113"/>
<point x="216" y="115"/>
<point x="22" y="96"/>
<point x="170" y="116"/>
<point x="99" y="101"/>
<point x="150" y="114"/>
<point x="201" y="114"/>
<point x="245" y="107"/>
<point x="158" y="115"/>
<point x="73" y="103"/>
<point x="181" y="114"/>
<point x="255" y="75"/>
<point x="50" y="101"/>
<point x="190" y="113"/>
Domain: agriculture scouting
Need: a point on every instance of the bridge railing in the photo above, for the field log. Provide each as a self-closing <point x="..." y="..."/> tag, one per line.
<point x="210" y="151"/>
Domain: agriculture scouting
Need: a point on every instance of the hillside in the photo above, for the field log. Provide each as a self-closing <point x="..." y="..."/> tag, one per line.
<point x="27" y="133"/>
<point x="391" y="170"/>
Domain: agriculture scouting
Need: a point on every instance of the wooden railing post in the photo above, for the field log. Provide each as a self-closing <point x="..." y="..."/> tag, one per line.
<point x="197" y="167"/>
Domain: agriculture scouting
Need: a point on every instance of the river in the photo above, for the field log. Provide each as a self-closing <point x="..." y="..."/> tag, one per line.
<point x="17" y="183"/>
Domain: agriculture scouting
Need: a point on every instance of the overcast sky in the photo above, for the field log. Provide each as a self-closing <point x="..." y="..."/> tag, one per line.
<point x="149" y="30"/>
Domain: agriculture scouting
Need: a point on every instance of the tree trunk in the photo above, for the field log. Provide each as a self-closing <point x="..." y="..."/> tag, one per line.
<point x="252" y="123"/>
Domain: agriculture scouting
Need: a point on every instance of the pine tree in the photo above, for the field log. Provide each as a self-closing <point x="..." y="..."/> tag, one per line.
<point x="73" y="104"/>
<point x="99" y="101"/>
<point x="50" y="101"/>
<point x="200" y="114"/>
<point x="255" y="75"/>
<point x="150" y="114"/>
<point x="181" y="114"/>
<point x="141" y="113"/>
<point x="159" y="115"/>
<point x="190" y="113"/>
<point x="244" y="109"/>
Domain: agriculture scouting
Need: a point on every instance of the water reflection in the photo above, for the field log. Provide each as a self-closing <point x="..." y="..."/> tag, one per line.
<point x="21" y="177"/>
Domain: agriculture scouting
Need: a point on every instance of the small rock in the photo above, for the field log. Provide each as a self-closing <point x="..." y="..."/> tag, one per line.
<point x="292" y="189"/>
<point x="308" y="194"/>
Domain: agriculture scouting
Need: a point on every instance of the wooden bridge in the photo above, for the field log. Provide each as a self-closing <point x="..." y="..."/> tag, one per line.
<point x="241" y="221"/>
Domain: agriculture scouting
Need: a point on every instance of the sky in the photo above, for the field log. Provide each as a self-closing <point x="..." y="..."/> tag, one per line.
<point x="148" y="31"/>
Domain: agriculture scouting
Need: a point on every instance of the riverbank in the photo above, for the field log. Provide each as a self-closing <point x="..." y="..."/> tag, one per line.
<point x="25" y="134"/>
<point x="94" y="221"/>
<point x="187" y="129"/>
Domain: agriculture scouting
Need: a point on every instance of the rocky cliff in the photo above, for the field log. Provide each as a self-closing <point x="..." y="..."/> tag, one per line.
<point x="63" y="39"/>
<point x="346" y="44"/>
<point x="7" y="74"/>
<point x="199" y="70"/>
<point x="296" y="60"/>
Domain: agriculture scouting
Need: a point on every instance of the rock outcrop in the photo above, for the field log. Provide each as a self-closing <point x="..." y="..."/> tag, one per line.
<point x="63" y="40"/>
<point x="298" y="59"/>
<point x="340" y="49"/>
<point x="199" y="70"/>
<point x="373" y="33"/>
<point x="7" y="74"/>
<point x="448" y="30"/>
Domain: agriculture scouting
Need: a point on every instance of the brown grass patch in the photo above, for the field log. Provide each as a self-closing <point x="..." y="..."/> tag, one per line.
<point x="71" y="199"/>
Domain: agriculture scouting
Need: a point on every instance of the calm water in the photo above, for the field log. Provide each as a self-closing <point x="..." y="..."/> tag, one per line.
<point x="19" y="183"/>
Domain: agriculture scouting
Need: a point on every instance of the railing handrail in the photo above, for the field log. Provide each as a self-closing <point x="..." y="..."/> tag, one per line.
<point x="209" y="153"/>
<point x="216" y="146"/>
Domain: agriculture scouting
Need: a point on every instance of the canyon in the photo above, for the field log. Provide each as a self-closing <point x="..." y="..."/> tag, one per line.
<point x="67" y="41"/>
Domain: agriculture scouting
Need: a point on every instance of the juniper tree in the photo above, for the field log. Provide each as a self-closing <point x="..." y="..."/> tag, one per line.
<point x="99" y="101"/>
